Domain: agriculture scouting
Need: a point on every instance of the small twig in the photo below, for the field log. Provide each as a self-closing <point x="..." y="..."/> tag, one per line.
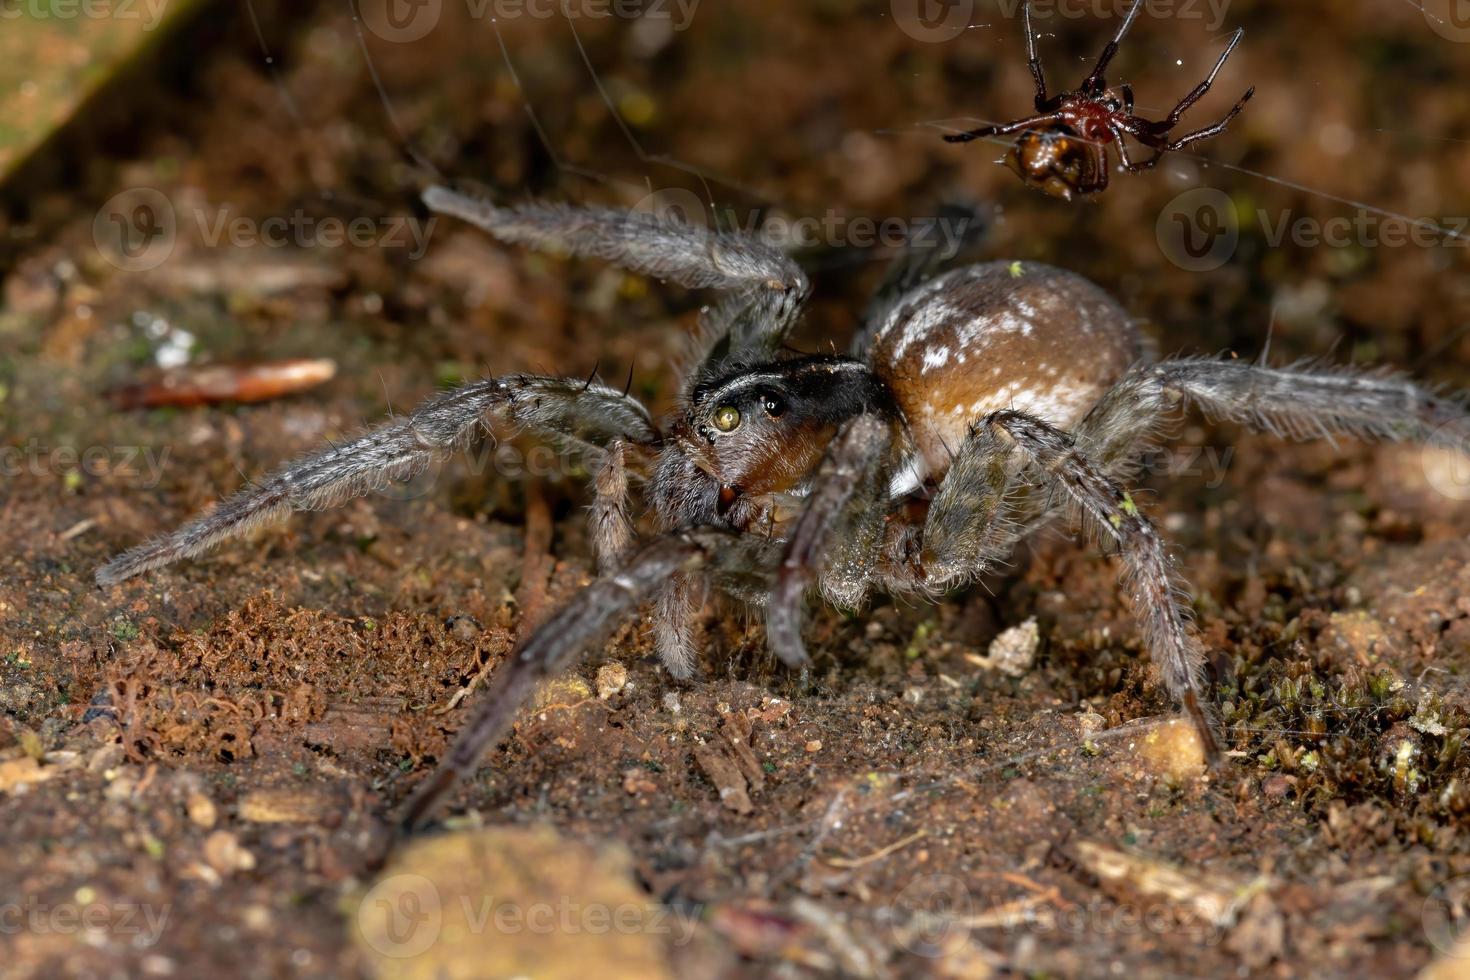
<point x="536" y="562"/>
<point x="879" y="854"/>
<point x="78" y="529"/>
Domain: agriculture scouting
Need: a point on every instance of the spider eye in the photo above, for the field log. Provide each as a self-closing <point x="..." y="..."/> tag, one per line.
<point x="726" y="418"/>
<point x="774" y="405"/>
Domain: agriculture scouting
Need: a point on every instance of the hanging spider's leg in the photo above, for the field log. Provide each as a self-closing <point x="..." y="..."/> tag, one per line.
<point x="1095" y="84"/>
<point x="1126" y="159"/>
<point x="587" y="619"/>
<point x="1217" y="128"/>
<point x="1127" y="91"/>
<point x="1033" y="59"/>
<point x="1031" y="122"/>
<point x="837" y="539"/>
<point x="1157" y="594"/>
<point x="1199" y="90"/>
<point x="1306" y="402"/>
<point x="586" y="415"/>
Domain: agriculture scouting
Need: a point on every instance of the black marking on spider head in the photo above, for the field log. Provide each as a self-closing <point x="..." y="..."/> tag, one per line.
<point x="758" y="431"/>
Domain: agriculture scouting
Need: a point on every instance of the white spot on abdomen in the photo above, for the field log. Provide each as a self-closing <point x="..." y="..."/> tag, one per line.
<point x="935" y="357"/>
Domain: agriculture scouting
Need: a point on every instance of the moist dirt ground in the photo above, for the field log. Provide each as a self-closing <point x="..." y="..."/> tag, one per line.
<point x="198" y="767"/>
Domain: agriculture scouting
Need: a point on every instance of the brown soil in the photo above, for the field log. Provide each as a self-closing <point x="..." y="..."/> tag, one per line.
<point x="224" y="741"/>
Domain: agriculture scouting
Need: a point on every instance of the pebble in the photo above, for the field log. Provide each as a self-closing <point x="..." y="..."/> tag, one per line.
<point x="223" y="852"/>
<point x="611" y="679"/>
<point x="202" y="811"/>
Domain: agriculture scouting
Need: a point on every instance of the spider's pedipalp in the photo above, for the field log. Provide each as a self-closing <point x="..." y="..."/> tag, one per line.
<point x="586" y="415"/>
<point x="613" y="534"/>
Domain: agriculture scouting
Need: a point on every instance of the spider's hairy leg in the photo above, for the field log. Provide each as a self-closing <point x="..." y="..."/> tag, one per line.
<point x="577" y="413"/>
<point x="613" y="535"/>
<point x="768" y="289"/>
<point x="848" y="498"/>
<point x="674" y="625"/>
<point x="643" y="242"/>
<point x="1303" y="402"/>
<point x="967" y="527"/>
<point x="1155" y="589"/>
<point x="587" y="619"/>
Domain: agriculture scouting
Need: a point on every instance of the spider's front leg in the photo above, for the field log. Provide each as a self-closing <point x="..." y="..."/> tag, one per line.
<point x="582" y="414"/>
<point x="589" y="617"/>
<point x="968" y="526"/>
<point x="1156" y="591"/>
<point x="837" y="539"/>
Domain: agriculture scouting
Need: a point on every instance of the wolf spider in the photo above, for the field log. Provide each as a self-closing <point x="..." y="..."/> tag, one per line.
<point x="1063" y="149"/>
<point x="976" y="406"/>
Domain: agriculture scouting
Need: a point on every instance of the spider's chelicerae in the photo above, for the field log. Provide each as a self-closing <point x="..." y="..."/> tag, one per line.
<point x="976" y="405"/>
<point x="1063" y="149"/>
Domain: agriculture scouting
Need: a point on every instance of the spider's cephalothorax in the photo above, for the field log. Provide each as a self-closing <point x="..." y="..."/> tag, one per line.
<point x="1062" y="149"/>
<point x="975" y="406"/>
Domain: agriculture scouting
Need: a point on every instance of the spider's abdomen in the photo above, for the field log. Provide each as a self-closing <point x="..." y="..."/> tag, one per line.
<point x="1002" y="335"/>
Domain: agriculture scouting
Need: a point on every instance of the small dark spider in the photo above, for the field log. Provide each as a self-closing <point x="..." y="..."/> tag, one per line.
<point x="1063" y="149"/>
<point x="977" y="406"/>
